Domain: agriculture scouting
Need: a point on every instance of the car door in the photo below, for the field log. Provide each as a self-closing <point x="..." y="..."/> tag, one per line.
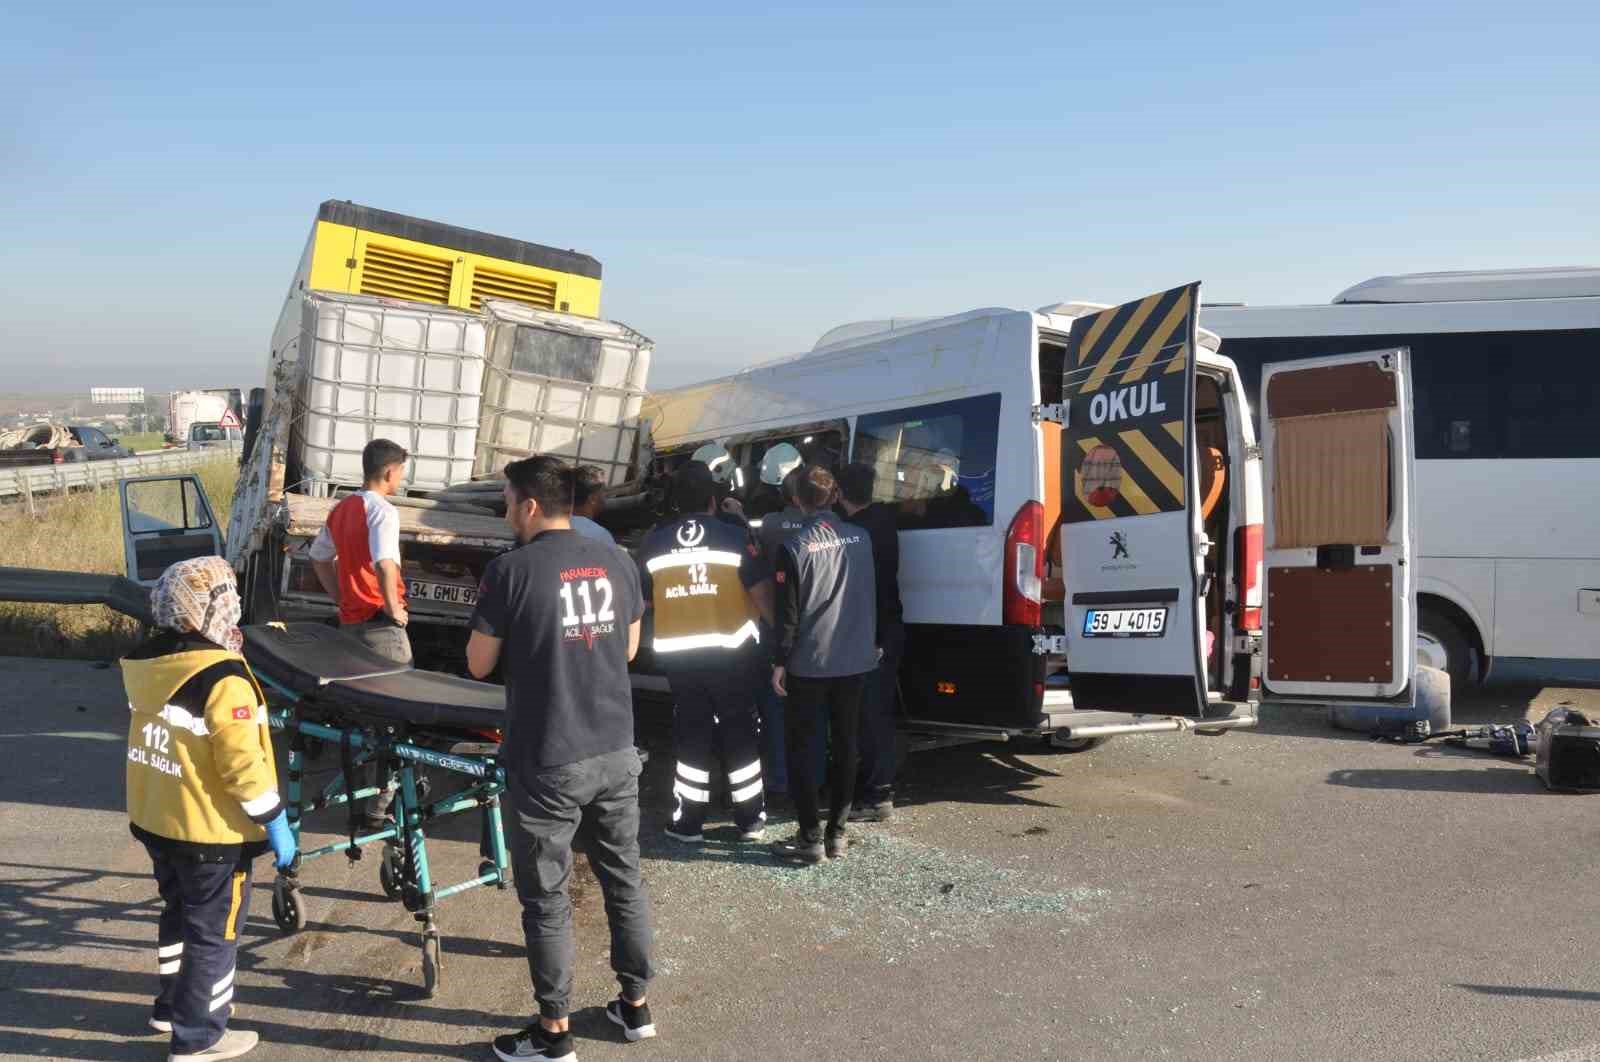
<point x="1340" y="600"/>
<point x="1130" y="535"/>
<point x="165" y="519"/>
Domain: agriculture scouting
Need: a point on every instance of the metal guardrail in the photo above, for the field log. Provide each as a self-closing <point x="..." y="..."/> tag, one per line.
<point x="31" y="480"/>
<point x="75" y="588"/>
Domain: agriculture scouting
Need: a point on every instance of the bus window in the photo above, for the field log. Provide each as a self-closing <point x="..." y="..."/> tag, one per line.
<point x="934" y="463"/>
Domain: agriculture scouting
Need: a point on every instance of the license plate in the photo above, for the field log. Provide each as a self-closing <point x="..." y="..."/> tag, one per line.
<point x="1125" y="623"/>
<point x="441" y="593"/>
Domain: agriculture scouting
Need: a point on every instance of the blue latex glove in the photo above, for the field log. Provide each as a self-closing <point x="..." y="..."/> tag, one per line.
<point x="282" y="840"/>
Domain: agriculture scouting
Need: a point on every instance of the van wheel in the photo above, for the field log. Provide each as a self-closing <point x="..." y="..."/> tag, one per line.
<point x="1056" y="743"/>
<point x="1441" y="645"/>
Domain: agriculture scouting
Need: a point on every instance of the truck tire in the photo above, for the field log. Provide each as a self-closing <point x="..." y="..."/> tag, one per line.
<point x="1056" y="743"/>
<point x="1441" y="644"/>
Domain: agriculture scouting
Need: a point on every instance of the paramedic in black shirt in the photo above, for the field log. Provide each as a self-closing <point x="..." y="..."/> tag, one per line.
<point x="560" y="615"/>
<point x="874" y="801"/>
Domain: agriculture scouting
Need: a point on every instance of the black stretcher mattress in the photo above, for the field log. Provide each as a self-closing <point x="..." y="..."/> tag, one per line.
<point x="327" y="663"/>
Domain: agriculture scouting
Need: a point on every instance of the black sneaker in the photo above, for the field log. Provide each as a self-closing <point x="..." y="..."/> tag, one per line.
<point x="635" y="1021"/>
<point x="799" y="850"/>
<point x="882" y="811"/>
<point x="837" y="845"/>
<point x="535" y="1044"/>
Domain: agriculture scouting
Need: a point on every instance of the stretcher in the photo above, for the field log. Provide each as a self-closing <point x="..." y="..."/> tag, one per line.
<point x="327" y="689"/>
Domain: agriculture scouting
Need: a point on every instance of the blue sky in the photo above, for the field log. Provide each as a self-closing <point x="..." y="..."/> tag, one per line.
<point x="751" y="178"/>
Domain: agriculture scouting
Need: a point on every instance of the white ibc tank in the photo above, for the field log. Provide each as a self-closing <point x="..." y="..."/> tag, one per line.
<point x="563" y="385"/>
<point x="375" y="368"/>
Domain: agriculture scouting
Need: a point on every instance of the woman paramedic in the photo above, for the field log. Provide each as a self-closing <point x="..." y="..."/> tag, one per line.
<point x="202" y="797"/>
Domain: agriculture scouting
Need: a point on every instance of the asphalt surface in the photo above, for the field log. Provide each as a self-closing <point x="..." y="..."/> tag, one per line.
<point x="1287" y="893"/>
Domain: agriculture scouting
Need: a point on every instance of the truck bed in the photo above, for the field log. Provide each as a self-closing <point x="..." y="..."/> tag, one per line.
<point x="306" y="516"/>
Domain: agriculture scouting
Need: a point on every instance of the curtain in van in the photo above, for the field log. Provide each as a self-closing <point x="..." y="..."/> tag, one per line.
<point x="1331" y="480"/>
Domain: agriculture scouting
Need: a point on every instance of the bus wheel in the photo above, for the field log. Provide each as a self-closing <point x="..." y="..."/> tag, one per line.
<point x="1440" y="644"/>
<point x="1056" y="743"/>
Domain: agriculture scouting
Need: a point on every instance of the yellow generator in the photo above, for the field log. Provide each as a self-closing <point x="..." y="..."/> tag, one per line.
<point x="360" y="250"/>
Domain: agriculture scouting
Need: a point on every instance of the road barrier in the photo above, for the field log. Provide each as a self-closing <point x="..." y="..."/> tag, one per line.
<point x="29" y="481"/>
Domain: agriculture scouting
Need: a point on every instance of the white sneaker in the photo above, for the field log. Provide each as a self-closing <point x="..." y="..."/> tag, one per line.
<point x="753" y="834"/>
<point x="161" y="1025"/>
<point x="233" y="1044"/>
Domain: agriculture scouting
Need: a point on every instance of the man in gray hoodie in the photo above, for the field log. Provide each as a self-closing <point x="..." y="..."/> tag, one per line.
<point x="827" y="647"/>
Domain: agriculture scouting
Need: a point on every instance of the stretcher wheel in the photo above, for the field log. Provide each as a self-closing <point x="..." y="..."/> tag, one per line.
<point x="392" y="871"/>
<point x="287" y="910"/>
<point x="432" y="962"/>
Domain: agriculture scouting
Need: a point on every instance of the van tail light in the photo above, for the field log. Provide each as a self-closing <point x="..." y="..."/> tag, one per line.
<point x="1024" y="571"/>
<point x="1248" y="558"/>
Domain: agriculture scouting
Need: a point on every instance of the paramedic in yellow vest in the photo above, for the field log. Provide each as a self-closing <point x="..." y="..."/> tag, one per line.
<point x="709" y="586"/>
<point x="202" y="797"/>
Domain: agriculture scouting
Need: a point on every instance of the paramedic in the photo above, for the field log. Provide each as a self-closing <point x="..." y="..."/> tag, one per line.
<point x="709" y="586"/>
<point x="357" y="556"/>
<point x="560" y="615"/>
<point x="775" y="531"/>
<point x="827" y="648"/>
<point x="588" y="502"/>
<point x="874" y="800"/>
<point x="202" y="798"/>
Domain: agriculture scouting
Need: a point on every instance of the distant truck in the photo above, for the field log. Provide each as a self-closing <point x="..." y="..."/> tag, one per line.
<point x="47" y="444"/>
<point x="209" y="435"/>
<point x="186" y="408"/>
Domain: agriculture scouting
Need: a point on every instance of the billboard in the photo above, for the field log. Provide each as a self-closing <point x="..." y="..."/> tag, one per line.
<point x="116" y="396"/>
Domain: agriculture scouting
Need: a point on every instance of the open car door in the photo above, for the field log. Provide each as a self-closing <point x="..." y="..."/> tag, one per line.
<point x="165" y="519"/>
<point x="1340" y="608"/>
<point x="1131" y="535"/>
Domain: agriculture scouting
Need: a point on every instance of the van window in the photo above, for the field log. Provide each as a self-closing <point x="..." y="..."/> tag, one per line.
<point x="821" y="446"/>
<point x="935" y="463"/>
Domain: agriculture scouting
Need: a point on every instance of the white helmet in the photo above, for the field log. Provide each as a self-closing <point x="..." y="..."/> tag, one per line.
<point x="716" y="457"/>
<point x="778" y="462"/>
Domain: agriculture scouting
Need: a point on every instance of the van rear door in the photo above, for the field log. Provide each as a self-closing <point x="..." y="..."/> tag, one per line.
<point x="1340" y="608"/>
<point x="1130" y="533"/>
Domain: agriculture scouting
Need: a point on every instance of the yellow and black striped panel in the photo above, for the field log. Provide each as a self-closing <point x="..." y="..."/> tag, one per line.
<point x="1128" y="385"/>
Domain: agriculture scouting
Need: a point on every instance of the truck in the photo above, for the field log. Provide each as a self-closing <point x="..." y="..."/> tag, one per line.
<point x="186" y="408"/>
<point x="466" y="348"/>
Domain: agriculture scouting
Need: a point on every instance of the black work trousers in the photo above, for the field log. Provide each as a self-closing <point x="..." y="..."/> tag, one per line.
<point x="601" y="794"/>
<point x="875" y="777"/>
<point x="205" y="903"/>
<point x="811" y="700"/>
<point x="715" y="732"/>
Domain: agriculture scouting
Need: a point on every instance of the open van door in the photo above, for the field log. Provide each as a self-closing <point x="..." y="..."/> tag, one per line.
<point x="165" y="519"/>
<point x="1340" y="607"/>
<point x="1131" y="534"/>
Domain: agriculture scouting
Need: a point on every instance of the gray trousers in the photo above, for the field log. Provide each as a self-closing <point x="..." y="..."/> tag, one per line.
<point x="548" y="806"/>
<point x="384" y="638"/>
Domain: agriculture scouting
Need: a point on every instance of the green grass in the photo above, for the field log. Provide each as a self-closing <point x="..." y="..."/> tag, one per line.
<point x="138" y="442"/>
<point x="82" y="533"/>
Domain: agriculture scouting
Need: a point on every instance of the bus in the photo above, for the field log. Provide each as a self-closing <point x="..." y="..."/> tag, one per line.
<point x="1506" y="369"/>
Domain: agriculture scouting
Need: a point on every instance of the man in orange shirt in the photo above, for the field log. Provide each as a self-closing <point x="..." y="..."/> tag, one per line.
<point x="357" y="556"/>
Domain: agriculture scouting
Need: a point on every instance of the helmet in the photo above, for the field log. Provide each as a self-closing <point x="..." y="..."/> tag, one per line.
<point x="716" y="457"/>
<point x="778" y="462"/>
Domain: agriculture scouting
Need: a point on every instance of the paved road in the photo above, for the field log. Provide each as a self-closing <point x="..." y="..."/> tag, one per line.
<point x="1288" y="893"/>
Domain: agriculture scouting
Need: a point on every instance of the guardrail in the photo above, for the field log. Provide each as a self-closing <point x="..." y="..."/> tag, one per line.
<point x="76" y="588"/>
<point x="32" y="480"/>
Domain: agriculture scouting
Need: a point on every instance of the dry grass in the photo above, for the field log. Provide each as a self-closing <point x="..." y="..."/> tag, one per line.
<point x="81" y="533"/>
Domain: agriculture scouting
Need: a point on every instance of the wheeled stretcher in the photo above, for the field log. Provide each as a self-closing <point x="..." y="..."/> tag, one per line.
<point x="326" y="688"/>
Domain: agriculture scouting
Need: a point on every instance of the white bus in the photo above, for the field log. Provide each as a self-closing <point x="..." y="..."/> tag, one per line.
<point x="1506" y="370"/>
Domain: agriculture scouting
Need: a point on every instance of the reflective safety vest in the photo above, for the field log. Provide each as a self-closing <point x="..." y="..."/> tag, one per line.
<point x="693" y="571"/>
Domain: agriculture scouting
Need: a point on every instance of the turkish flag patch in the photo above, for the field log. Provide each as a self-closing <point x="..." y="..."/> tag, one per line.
<point x="755" y="551"/>
<point x="781" y="579"/>
<point x="243" y="714"/>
